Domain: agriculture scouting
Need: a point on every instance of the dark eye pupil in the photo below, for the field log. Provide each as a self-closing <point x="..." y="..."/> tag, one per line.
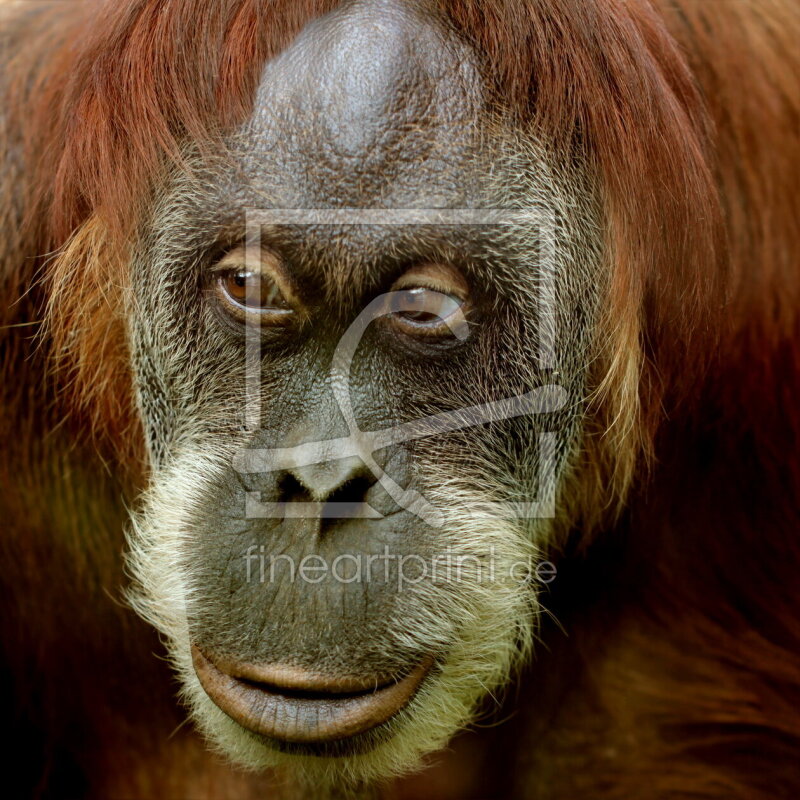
<point x="415" y="306"/>
<point x="421" y="316"/>
<point x="254" y="290"/>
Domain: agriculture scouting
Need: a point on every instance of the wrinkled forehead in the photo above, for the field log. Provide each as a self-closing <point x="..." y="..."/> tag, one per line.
<point x="372" y="105"/>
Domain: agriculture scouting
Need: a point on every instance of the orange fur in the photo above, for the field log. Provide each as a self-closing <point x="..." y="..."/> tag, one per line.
<point x="689" y="113"/>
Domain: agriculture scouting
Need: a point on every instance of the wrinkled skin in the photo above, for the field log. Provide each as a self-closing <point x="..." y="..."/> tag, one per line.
<point x="375" y="106"/>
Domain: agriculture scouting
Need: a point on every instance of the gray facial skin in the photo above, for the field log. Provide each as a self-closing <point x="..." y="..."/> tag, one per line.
<point x="375" y="106"/>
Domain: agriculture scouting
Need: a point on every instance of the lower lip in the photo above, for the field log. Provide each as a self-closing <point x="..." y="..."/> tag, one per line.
<point x="292" y="717"/>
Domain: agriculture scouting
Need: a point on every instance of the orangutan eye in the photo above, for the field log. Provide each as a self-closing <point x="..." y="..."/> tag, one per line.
<point x="246" y="292"/>
<point x="252" y="290"/>
<point x="424" y="311"/>
<point x="430" y="300"/>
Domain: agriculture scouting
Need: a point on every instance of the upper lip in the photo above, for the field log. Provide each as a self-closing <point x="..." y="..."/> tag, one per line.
<point x="293" y="704"/>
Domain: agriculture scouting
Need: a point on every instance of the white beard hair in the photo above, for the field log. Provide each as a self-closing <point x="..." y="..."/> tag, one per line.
<point x="488" y="627"/>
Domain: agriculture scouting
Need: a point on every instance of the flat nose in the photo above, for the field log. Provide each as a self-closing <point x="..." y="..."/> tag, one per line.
<point x="339" y="485"/>
<point x="320" y="481"/>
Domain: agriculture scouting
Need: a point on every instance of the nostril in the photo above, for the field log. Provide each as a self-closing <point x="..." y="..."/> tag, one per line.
<point x="352" y="491"/>
<point x="290" y="490"/>
<point x="344" y="501"/>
